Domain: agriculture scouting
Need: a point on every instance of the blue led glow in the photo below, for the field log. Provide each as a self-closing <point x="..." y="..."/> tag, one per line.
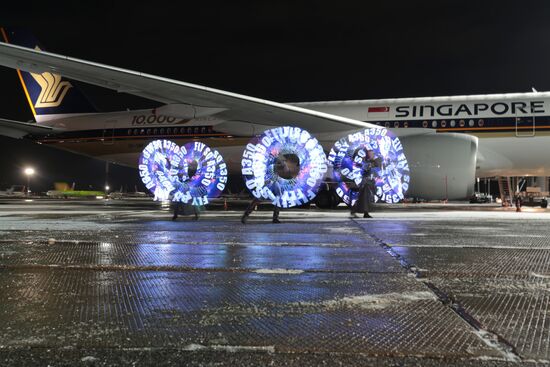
<point x="159" y="162"/>
<point x="390" y="174"/>
<point x="209" y="179"/>
<point x="263" y="153"/>
<point x="164" y="169"/>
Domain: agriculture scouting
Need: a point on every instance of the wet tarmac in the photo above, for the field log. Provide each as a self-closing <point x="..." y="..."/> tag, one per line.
<point x="120" y="283"/>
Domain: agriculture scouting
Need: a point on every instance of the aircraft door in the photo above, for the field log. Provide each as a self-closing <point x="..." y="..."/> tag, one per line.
<point x="109" y="132"/>
<point x="525" y="126"/>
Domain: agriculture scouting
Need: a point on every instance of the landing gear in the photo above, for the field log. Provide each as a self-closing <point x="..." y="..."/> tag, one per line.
<point x="327" y="199"/>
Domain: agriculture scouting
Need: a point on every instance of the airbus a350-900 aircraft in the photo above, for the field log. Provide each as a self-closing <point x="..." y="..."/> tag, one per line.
<point x="448" y="141"/>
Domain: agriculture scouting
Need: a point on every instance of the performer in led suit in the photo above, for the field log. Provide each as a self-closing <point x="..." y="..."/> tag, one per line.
<point x="182" y="208"/>
<point x="286" y="167"/>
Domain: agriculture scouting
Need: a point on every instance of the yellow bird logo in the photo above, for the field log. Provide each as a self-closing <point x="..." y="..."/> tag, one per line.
<point x="53" y="89"/>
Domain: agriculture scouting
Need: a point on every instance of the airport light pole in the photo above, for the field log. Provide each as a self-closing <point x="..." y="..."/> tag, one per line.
<point x="107" y="177"/>
<point x="29" y="171"/>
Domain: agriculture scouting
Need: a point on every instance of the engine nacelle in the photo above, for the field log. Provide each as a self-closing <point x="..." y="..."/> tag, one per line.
<point x="442" y="166"/>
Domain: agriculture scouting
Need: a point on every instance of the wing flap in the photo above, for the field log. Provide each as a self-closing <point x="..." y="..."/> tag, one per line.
<point x="16" y="129"/>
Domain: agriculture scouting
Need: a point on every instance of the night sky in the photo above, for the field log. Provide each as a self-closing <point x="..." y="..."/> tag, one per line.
<point x="282" y="51"/>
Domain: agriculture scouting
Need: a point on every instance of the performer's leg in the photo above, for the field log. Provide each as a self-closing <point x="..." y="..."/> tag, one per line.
<point x="367" y="203"/>
<point x="353" y="207"/>
<point x="276" y="214"/>
<point x="249" y="210"/>
<point x="176" y="210"/>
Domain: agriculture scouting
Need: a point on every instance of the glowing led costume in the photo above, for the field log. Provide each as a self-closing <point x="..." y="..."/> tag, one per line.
<point x="389" y="168"/>
<point x="262" y="155"/>
<point x="164" y="169"/>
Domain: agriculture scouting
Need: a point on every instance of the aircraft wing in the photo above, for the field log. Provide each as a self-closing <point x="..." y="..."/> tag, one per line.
<point x="234" y="107"/>
<point x="16" y="129"/>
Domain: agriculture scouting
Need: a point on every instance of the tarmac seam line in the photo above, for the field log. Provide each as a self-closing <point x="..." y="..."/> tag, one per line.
<point x="490" y="338"/>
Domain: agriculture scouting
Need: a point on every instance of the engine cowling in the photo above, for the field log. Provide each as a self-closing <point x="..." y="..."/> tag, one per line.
<point x="442" y="166"/>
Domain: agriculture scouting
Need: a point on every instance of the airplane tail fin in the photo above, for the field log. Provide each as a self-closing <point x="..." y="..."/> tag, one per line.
<point x="49" y="95"/>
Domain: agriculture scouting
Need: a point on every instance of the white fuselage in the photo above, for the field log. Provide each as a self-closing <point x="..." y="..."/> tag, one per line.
<point x="513" y="129"/>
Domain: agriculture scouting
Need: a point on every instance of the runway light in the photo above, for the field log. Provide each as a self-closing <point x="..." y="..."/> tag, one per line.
<point x="29" y="171"/>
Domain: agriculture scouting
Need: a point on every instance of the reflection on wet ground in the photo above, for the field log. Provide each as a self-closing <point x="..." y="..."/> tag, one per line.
<point x="119" y="283"/>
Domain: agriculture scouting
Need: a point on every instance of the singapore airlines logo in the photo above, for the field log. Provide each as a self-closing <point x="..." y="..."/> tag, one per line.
<point x="53" y="90"/>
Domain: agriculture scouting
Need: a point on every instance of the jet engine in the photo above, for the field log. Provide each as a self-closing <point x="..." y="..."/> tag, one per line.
<point x="442" y="166"/>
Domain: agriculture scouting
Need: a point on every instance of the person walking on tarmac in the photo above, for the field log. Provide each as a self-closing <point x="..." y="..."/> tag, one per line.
<point x="285" y="167"/>
<point x="518" y="202"/>
<point x="180" y="207"/>
<point x="362" y="204"/>
<point x="255" y="203"/>
<point x="364" y="188"/>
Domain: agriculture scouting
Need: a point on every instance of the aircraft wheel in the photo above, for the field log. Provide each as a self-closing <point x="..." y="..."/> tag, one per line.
<point x="324" y="200"/>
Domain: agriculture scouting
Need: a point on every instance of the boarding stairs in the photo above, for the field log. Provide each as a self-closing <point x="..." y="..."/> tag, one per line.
<point x="505" y="190"/>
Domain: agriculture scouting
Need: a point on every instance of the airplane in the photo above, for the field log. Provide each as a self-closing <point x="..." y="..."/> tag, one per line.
<point x="448" y="141"/>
